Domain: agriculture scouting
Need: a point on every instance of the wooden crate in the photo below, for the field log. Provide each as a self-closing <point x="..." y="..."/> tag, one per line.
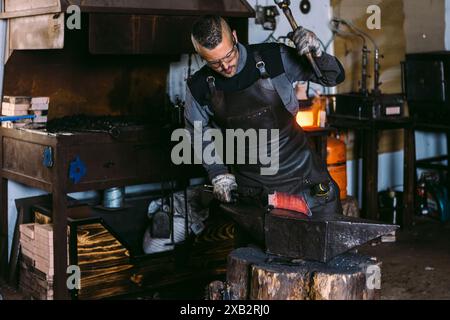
<point x="36" y="260"/>
<point x="109" y="268"/>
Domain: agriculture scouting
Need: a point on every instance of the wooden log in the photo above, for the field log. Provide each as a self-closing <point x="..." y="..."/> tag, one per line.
<point x="279" y="282"/>
<point x="350" y="207"/>
<point x="239" y="264"/>
<point x="214" y="290"/>
<point x="252" y="274"/>
<point x="346" y="278"/>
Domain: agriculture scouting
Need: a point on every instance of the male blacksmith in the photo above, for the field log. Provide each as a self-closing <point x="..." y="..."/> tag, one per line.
<point x="251" y="87"/>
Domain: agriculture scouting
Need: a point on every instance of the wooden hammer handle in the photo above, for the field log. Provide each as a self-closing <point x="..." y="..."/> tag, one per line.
<point x="288" y="13"/>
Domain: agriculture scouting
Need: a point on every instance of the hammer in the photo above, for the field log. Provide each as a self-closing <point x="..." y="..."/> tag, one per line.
<point x="284" y="5"/>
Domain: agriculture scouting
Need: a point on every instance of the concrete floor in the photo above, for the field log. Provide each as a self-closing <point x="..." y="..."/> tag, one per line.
<point x="416" y="266"/>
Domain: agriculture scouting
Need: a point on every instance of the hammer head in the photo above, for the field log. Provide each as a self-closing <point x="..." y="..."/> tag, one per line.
<point x="283" y="3"/>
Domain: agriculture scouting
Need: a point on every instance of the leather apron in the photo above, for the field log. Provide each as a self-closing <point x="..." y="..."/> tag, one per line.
<point x="259" y="106"/>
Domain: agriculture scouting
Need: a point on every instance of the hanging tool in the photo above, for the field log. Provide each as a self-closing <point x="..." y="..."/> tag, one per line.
<point x="284" y="5"/>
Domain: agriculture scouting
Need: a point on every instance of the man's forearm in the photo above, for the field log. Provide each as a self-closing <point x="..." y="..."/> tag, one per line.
<point x="213" y="170"/>
<point x="297" y="68"/>
<point x="194" y="112"/>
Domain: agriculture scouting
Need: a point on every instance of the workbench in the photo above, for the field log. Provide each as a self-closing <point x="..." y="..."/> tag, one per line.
<point x="65" y="163"/>
<point x="367" y="132"/>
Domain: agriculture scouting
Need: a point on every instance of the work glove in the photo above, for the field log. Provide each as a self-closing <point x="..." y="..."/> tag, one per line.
<point x="306" y="41"/>
<point x="225" y="187"/>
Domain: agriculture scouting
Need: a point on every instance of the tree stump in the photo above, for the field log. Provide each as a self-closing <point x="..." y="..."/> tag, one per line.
<point x="350" y="207"/>
<point x="214" y="291"/>
<point x="254" y="275"/>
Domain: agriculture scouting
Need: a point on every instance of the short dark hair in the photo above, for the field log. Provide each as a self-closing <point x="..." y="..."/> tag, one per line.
<point x="207" y="31"/>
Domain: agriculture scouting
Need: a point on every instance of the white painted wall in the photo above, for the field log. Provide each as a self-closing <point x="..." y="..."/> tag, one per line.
<point x="390" y="174"/>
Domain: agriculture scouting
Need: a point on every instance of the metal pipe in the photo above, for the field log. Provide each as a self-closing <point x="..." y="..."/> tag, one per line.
<point x="365" y="62"/>
<point x="376" y="73"/>
<point x="377" y="67"/>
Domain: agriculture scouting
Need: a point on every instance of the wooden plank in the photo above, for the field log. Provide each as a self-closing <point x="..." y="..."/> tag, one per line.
<point x="33" y="282"/>
<point x="30" y="136"/>
<point x="15" y="249"/>
<point x="26" y="180"/>
<point x="16" y="159"/>
<point x="409" y="176"/>
<point x="3" y="224"/>
<point x="97" y="246"/>
<point x="235" y="8"/>
<point x="59" y="215"/>
<point x="37" y="32"/>
<point x="104" y="262"/>
<point x="21" y="5"/>
<point x="113" y="283"/>
<point x="30" y="13"/>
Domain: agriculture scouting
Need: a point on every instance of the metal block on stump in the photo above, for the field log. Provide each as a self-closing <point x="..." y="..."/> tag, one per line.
<point x="290" y="234"/>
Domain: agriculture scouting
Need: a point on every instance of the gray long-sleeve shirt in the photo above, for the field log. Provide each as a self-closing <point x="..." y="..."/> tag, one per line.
<point x="295" y="70"/>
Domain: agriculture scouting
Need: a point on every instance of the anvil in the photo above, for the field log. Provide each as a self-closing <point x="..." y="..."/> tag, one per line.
<point x="318" y="238"/>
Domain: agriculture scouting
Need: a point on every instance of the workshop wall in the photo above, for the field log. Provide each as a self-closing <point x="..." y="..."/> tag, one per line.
<point x="403" y="24"/>
<point x="425" y="25"/>
<point x="390" y="39"/>
<point x="80" y="83"/>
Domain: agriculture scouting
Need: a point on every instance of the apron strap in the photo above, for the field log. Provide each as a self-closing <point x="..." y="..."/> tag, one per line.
<point x="211" y="84"/>
<point x="260" y="64"/>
